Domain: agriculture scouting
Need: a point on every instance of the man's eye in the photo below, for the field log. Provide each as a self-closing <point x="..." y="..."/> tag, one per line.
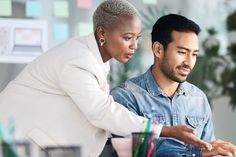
<point x="127" y="38"/>
<point x="181" y="52"/>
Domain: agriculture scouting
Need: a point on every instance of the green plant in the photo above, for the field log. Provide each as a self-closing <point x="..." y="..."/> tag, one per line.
<point x="149" y="16"/>
<point x="231" y="21"/>
<point x="211" y="45"/>
<point x="229" y="74"/>
<point x="6" y="145"/>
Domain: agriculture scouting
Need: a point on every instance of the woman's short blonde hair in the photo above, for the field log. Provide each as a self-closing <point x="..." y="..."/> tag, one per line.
<point x="109" y="12"/>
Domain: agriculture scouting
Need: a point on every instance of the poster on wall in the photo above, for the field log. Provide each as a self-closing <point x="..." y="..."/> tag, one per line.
<point x="4" y="40"/>
<point x="21" y="41"/>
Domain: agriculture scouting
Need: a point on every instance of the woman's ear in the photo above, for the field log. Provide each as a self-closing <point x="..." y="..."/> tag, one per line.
<point x="100" y="30"/>
<point x="157" y="49"/>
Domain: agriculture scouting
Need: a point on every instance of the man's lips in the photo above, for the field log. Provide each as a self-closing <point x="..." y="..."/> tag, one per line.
<point x="184" y="71"/>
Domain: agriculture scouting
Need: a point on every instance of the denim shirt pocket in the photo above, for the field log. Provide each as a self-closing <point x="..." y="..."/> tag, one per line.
<point x="159" y="117"/>
<point x="195" y="121"/>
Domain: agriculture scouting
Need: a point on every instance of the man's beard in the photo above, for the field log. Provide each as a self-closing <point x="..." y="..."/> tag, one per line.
<point x="165" y="68"/>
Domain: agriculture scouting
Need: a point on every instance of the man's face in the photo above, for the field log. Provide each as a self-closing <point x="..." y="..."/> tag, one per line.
<point x="180" y="56"/>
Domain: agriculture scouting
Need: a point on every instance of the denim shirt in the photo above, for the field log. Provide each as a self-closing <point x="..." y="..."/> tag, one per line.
<point x="189" y="105"/>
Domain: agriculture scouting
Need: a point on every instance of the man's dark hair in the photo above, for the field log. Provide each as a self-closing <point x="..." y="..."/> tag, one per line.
<point x="162" y="29"/>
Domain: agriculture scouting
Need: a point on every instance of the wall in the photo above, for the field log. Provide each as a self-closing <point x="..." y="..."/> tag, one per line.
<point x="10" y="70"/>
<point x="224" y="120"/>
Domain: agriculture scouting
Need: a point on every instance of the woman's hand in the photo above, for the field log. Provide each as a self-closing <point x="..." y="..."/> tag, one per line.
<point x="185" y="134"/>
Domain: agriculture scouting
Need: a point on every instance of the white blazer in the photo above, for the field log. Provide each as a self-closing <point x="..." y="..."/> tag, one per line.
<point x="65" y="94"/>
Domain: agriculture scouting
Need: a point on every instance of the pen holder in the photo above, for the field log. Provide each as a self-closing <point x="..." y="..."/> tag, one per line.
<point x="143" y="144"/>
<point x="15" y="149"/>
<point x="62" y="151"/>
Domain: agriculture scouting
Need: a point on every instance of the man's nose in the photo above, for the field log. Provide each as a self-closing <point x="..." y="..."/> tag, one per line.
<point x="190" y="60"/>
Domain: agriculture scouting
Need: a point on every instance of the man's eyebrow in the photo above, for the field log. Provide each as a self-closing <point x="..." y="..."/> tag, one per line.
<point x="181" y="47"/>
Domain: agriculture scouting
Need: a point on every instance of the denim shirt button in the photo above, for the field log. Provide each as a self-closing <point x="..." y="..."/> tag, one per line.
<point x="193" y="154"/>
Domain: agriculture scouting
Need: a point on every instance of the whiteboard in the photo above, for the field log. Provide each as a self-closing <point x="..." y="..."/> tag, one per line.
<point x="21" y="41"/>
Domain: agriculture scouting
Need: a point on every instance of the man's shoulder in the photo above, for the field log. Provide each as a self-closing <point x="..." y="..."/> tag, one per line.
<point x="133" y="84"/>
<point x="193" y="89"/>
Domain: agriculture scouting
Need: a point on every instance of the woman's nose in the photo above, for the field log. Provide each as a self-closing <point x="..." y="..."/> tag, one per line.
<point x="134" y="44"/>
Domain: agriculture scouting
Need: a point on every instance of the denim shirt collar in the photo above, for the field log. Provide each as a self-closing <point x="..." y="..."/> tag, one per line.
<point x="154" y="89"/>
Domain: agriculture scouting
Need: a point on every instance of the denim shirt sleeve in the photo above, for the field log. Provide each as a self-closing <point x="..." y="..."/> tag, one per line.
<point x="125" y="98"/>
<point x="208" y="131"/>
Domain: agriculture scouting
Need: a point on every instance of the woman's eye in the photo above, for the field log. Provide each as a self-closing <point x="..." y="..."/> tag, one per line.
<point x="138" y="37"/>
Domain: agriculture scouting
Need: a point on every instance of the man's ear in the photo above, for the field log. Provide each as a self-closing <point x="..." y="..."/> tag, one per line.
<point x="157" y="49"/>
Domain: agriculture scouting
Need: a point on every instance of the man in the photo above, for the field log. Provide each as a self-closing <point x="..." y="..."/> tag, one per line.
<point x="164" y="92"/>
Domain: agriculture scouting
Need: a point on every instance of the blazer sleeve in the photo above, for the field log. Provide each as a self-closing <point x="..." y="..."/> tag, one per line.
<point x="84" y="88"/>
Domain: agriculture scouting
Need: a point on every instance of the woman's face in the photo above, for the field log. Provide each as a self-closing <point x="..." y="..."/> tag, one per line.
<point x="121" y="39"/>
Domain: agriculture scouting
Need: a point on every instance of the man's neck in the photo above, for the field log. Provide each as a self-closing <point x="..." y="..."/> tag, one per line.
<point x="167" y="85"/>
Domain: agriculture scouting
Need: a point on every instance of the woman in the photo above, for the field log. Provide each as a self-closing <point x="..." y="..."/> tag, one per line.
<point x="64" y="93"/>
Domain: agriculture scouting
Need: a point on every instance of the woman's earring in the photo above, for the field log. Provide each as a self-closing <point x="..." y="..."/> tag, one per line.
<point x="102" y="41"/>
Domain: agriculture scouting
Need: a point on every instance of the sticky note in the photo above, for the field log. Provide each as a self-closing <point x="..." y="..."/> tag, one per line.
<point x="85" y="28"/>
<point x="61" y="31"/>
<point x="33" y="8"/>
<point x="150" y="1"/>
<point x="5" y="8"/>
<point x="84" y="4"/>
<point x="61" y="8"/>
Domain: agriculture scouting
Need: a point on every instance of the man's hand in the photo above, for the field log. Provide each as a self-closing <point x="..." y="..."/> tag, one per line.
<point x="185" y="134"/>
<point x="220" y="148"/>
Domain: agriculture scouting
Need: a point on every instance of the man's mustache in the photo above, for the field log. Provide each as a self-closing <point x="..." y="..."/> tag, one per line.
<point x="184" y="66"/>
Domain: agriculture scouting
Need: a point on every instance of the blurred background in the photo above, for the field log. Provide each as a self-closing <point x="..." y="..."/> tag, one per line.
<point x="28" y="28"/>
